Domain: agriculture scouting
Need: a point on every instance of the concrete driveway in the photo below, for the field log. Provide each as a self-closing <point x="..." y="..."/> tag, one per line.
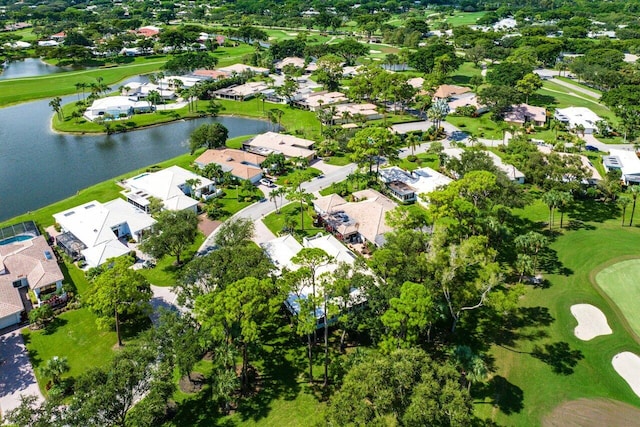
<point x="16" y="372"/>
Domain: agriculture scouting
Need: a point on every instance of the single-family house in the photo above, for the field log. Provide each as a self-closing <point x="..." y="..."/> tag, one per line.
<point x="627" y="162"/>
<point x="243" y="68"/>
<point x="116" y="107"/>
<point x="29" y="264"/>
<point x="593" y="174"/>
<point x="512" y="173"/>
<point x="360" y="221"/>
<point x="524" y="113"/>
<point x="282" y="250"/>
<point x="98" y="231"/>
<point x="288" y="145"/>
<point x="210" y="74"/>
<point x="59" y="37"/>
<point x="465" y="100"/>
<point x="290" y="60"/>
<point x="350" y="112"/>
<point x="314" y="101"/>
<point x="576" y="116"/>
<point x="241" y="92"/>
<point x="177" y="188"/>
<point x="148" y="31"/>
<point x="407" y="186"/>
<point x="447" y="91"/>
<point x="241" y="164"/>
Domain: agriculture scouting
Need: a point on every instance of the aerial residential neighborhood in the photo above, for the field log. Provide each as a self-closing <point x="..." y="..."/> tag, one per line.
<point x="328" y="213"/>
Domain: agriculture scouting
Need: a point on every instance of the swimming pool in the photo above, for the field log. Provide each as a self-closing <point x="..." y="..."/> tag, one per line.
<point x="18" y="238"/>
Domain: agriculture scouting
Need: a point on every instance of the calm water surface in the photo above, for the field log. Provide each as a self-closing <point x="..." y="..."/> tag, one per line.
<point x="29" y="67"/>
<point x="39" y="167"/>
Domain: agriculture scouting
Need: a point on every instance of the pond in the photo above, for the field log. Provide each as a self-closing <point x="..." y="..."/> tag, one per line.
<point x="39" y="167"/>
<point x="30" y="67"/>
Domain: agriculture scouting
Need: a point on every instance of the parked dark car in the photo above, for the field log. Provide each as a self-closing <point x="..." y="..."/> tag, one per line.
<point x="591" y="148"/>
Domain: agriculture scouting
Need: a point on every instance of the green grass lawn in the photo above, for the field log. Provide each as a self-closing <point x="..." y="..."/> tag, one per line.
<point x="423" y="160"/>
<point x="338" y="159"/>
<point x="165" y="273"/>
<point x="463" y="75"/>
<point x="576" y="83"/>
<point x="527" y="388"/>
<point x="481" y="127"/>
<point x="306" y="174"/>
<point x="285" y="399"/>
<point x="620" y="282"/>
<point x="295" y="121"/>
<point x="25" y="89"/>
<point x="275" y="221"/>
<point x="464" y="18"/>
<point x="73" y="335"/>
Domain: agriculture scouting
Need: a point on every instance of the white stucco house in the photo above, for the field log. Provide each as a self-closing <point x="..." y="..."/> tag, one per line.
<point x="171" y="186"/>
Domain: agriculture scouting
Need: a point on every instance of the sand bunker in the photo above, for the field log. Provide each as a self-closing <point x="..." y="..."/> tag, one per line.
<point x="292" y="34"/>
<point x="591" y="322"/>
<point x="592" y="412"/>
<point x="627" y="364"/>
<point x="375" y="51"/>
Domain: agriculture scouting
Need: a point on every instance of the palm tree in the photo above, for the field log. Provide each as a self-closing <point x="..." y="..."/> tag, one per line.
<point x="193" y="183"/>
<point x="551" y="199"/>
<point x="153" y="97"/>
<point x="623" y="202"/>
<point x="55" y="368"/>
<point x="564" y="200"/>
<point x="275" y="194"/>
<point x="412" y="142"/>
<point x="56" y="105"/>
<point x="438" y="112"/>
<point x="79" y="86"/>
<point x="214" y="172"/>
<point x="635" y="190"/>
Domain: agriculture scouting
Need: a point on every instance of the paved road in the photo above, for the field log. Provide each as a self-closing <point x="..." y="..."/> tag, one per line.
<point x="576" y="88"/>
<point x="16" y="372"/>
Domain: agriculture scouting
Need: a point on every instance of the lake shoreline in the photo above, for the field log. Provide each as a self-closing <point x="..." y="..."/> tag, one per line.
<point x="152" y="125"/>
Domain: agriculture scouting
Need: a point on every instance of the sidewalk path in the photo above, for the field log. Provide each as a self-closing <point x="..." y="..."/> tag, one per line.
<point x="16" y="372"/>
<point x="576" y="88"/>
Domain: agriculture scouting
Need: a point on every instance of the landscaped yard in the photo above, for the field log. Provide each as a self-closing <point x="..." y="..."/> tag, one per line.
<point x="286" y="398"/>
<point x="275" y="222"/>
<point x="73" y="335"/>
<point x="423" y="160"/>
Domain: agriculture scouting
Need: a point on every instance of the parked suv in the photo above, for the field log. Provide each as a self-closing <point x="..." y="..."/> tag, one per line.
<point x="267" y="182"/>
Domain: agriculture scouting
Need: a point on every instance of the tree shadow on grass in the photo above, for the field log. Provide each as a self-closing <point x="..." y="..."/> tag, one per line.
<point x="507" y="397"/>
<point x="548" y="261"/>
<point x="525" y="323"/>
<point x="52" y="326"/>
<point x="593" y="211"/>
<point x="278" y="377"/>
<point x="559" y="356"/>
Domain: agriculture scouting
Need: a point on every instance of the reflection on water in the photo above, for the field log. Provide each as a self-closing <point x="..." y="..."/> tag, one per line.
<point x="39" y="167"/>
<point x="29" y="67"/>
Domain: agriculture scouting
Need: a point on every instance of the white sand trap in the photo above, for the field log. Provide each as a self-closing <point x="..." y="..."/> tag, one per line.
<point x="375" y="51"/>
<point x="591" y="322"/>
<point x="627" y="364"/>
<point x="292" y="34"/>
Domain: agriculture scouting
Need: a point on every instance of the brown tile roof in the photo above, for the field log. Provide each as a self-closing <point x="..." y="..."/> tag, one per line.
<point x="445" y="91"/>
<point x="213" y="74"/>
<point x="234" y="159"/>
<point x="27" y="259"/>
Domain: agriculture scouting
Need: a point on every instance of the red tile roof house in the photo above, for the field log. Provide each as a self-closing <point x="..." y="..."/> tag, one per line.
<point x="29" y="263"/>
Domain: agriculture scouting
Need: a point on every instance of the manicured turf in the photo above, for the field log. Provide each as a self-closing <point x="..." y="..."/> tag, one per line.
<point x="524" y="388"/>
<point x="73" y="335"/>
<point x="464" y="18"/>
<point x="49" y="86"/>
<point x="24" y="89"/>
<point x="275" y="221"/>
<point x="621" y="282"/>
